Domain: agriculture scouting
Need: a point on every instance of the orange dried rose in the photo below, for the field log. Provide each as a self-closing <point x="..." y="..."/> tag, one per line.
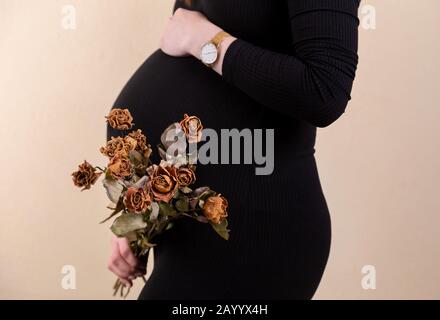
<point x="86" y="176"/>
<point x="130" y="143"/>
<point x="192" y="126"/>
<point x="118" y="145"/>
<point x="137" y="200"/>
<point x="120" y="167"/>
<point x="163" y="182"/>
<point x="141" y="142"/>
<point x="120" y="119"/>
<point x="140" y="138"/>
<point x="215" y="208"/>
<point x="185" y="176"/>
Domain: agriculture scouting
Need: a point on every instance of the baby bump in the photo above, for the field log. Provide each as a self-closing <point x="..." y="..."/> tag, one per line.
<point x="164" y="88"/>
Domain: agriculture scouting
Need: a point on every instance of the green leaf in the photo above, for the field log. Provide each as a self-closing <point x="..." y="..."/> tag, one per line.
<point x="186" y="190"/>
<point x="182" y="204"/>
<point x="127" y="223"/>
<point x="131" y="236"/>
<point x="205" y="195"/>
<point x="139" y="162"/>
<point x="114" y="189"/>
<point x="177" y="194"/>
<point x="169" y="226"/>
<point x="166" y="209"/>
<point x="221" y="229"/>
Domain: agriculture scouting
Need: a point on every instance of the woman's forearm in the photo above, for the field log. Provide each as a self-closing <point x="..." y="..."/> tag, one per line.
<point x="312" y="82"/>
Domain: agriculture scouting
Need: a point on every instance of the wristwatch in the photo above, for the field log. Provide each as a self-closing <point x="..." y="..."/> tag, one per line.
<point x="210" y="51"/>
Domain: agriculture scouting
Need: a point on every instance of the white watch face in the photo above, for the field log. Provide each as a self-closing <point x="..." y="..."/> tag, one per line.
<point x="209" y="53"/>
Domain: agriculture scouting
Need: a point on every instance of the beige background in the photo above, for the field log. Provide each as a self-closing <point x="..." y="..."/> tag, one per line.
<point x="379" y="164"/>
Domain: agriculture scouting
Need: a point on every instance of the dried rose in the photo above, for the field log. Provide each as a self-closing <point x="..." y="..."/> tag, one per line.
<point x="163" y="182"/>
<point x="120" y="119"/>
<point x="185" y="176"/>
<point x="141" y="142"/>
<point x="86" y="176"/>
<point x="120" y="167"/>
<point x="118" y="145"/>
<point x="215" y="208"/>
<point x="141" y="139"/>
<point x="137" y="200"/>
<point x="130" y="143"/>
<point x="192" y="126"/>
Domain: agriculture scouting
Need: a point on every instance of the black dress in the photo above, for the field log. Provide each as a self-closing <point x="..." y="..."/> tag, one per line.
<point x="292" y="69"/>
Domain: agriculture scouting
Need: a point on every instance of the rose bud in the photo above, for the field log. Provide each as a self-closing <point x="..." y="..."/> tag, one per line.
<point x="192" y="126"/>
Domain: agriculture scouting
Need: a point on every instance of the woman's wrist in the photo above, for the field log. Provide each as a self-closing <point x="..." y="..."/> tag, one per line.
<point x="218" y="65"/>
<point x="201" y="33"/>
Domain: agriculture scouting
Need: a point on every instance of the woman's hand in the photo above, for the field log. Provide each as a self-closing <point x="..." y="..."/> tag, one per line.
<point x="186" y="32"/>
<point x="123" y="263"/>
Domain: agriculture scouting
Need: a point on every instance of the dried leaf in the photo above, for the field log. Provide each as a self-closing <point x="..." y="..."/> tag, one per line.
<point x="202" y="219"/>
<point x="199" y="191"/>
<point x="182" y="204"/>
<point x="169" y="226"/>
<point x="127" y="223"/>
<point x="174" y="135"/>
<point x="166" y="209"/>
<point x="119" y="207"/>
<point x="114" y="189"/>
<point x="221" y="229"/>
<point x="205" y="195"/>
<point x="140" y="183"/>
<point x="186" y="190"/>
<point x="154" y="211"/>
<point x="193" y="203"/>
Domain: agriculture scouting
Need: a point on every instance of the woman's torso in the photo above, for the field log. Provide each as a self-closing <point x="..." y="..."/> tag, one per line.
<point x="279" y="223"/>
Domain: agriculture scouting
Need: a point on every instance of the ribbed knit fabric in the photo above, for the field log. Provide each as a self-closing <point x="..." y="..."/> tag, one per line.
<point x="291" y="70"/>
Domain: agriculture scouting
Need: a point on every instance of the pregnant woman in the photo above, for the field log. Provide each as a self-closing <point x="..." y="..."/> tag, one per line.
<point x="287" y="65"/>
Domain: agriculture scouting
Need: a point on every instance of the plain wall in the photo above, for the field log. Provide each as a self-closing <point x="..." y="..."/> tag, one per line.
<point x="379" y="164"/>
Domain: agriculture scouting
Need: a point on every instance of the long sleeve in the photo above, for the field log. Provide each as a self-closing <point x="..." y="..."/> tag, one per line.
<point x="313" y="81"/>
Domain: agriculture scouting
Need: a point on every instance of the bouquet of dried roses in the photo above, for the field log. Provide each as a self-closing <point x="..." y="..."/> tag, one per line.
<point x="147" y="198"/>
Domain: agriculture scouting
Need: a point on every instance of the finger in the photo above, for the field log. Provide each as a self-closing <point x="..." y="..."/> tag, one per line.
<point x="118" y="266"/>
<point x="127" y="254"/>
<point x="121" y="277"/>
<point x="118" y="263"/>
<point x="140" y="272"/>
